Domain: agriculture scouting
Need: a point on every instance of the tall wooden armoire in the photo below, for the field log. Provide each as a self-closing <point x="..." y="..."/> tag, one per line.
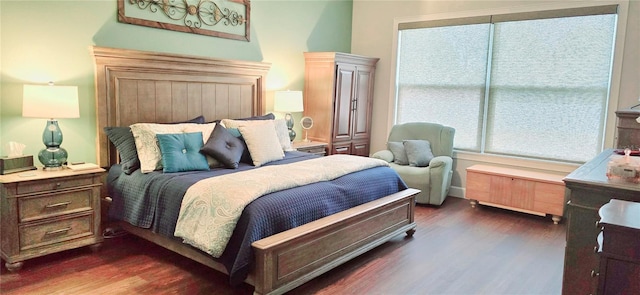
<point x="338" y="96"/>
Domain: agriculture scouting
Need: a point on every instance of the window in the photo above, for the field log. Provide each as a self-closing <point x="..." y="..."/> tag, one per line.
<point x="533" y="85"/>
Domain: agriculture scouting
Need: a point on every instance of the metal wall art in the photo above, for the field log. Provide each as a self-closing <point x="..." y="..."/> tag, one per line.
<point x="220" y="18"/>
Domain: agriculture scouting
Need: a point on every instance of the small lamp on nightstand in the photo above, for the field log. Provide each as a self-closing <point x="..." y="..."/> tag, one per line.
<point x="49" y="102"/>
<point x="288" y="102"/>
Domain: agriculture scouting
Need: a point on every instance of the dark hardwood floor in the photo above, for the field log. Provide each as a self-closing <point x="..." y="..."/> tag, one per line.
<point x="455" y="250"/>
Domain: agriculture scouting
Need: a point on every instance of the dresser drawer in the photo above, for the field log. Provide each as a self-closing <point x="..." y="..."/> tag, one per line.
<point x="52" y="184"/>
<point x="38" y="235"/>
<point x="33" y="208"/>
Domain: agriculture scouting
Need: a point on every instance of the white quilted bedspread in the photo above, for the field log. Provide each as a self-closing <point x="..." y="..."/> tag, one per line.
<point x="211" y="207"/>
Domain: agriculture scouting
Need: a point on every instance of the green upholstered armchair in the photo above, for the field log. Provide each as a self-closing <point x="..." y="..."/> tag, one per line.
<point x="433" y="180"/>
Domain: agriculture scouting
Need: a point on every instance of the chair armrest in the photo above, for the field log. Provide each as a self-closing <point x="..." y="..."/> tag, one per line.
<point x="384" y="155"/>
<point x="440" y="178"/>
<point x="440" y="161"/>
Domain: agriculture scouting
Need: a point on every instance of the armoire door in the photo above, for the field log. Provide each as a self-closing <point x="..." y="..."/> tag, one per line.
<point x="362" y="103"/>
<point x="345" y="82"/>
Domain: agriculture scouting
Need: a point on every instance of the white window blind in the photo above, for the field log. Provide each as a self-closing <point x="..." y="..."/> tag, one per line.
<point x="534" y="85"/>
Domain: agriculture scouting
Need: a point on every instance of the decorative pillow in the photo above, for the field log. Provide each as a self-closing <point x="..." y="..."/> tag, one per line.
<point x="418" y="152"/>
<point x="181" y="152"/>
<point x="269" y="116"/>
<point x="224" y="146"/>
<point x="147" y="144"/>
<point x="123" y="140"/>
<point x="399" y="154"/>
<point x="206" y="130"/>
<point x="196" y="120"/>
<point x="283" y="134"/>
<point x="262" y="142"/>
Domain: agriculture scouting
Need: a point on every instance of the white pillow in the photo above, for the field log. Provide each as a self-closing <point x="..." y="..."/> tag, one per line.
<point x="280" y="126"/>
<point x="147" y="146"/>
<point x="262" y="142"/>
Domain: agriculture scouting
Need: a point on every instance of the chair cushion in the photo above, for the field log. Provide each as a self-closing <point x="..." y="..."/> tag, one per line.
<point x="398" y="151"/>
<point x="418" y="152"/>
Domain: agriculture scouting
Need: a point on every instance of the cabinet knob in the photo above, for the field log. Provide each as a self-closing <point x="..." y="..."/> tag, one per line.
<point x="594" y="274"/>
<point x="597" y="223"/>
<point x="595" y="249"/>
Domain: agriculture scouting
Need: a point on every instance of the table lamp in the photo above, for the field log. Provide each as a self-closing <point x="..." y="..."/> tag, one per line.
<point x="49" y="102"/>
<point x="288" y="102"/>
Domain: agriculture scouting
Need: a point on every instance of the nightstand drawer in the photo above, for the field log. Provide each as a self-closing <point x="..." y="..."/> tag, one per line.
<point x="33" y="208"/>
<point x="39" y="235"/>
<point x="318" y="150"/>
<point x="52" y="184"/>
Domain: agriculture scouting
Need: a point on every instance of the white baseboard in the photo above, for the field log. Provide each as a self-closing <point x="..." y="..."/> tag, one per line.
<point x="456" y="191"/>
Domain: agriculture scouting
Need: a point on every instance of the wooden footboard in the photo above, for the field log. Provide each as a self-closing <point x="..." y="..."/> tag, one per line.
<point x="289" y="259"/>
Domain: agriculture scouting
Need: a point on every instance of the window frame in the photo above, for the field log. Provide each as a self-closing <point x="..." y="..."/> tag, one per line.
<point x="616" y="71"/>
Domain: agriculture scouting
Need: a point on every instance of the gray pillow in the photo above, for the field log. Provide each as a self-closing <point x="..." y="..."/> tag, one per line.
<point x="399" y="154"/>
<point x="224" y="147"/>
<point x="123" y="140"/>
<point x="418" y="152"/>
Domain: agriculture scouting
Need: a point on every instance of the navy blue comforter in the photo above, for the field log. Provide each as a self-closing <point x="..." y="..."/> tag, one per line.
<point x="153" y="201"/>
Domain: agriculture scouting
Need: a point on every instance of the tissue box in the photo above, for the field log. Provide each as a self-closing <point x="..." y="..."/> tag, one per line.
<point x="16" y="164"/>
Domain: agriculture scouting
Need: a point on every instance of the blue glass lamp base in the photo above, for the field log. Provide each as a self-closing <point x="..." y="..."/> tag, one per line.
<point x="289" y="119"/>
<point x="53" y="158"/>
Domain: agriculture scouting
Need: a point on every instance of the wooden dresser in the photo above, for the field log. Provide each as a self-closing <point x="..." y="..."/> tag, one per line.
<point x="619" y="243"/>
<point x="587" y="190"/>
<point x="44" y="212"/>
<point x="338" y="96"/>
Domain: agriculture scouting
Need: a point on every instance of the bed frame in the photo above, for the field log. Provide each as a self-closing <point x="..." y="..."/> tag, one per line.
<point x="136" y="86"/>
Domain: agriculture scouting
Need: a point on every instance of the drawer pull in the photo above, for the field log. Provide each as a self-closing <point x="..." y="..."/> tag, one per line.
<point x="52" y="206"/>
<point x="595" y="249"/>
<point x="594" y="274"/>
<point x="58" y="231"/>
<point x="58" y="184"/>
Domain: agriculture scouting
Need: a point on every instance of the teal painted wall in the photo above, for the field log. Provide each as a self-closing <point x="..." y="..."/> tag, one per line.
<point x="49" y="40"/>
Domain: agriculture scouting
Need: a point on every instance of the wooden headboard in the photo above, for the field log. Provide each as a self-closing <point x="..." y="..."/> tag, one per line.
<point x="137" y="86"/>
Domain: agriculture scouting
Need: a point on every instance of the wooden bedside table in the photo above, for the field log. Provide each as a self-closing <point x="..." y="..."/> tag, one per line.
<point x="312" y="147"/>
<point x="44" y="212"/>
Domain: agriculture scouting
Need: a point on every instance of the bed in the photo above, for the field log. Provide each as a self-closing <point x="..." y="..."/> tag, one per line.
<point x="137" y="86"/>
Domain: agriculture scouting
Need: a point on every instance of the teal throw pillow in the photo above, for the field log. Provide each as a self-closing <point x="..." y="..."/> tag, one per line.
<point x="181" y="152"/>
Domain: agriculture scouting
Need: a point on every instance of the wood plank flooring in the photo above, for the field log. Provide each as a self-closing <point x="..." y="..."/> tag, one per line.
<point x="455" y="250"/>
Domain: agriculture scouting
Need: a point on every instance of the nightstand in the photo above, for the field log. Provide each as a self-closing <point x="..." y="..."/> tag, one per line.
<point x="312" y="147"/>
<point x="44" y="212"/>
